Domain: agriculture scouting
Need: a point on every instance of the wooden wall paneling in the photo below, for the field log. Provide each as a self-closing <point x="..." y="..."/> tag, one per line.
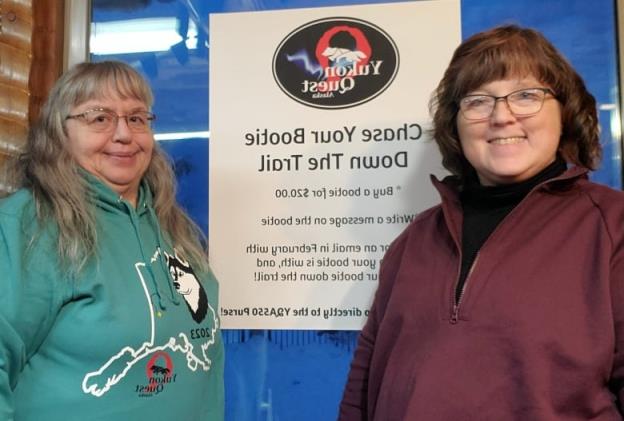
<point x="16" y="21"/>
<point x="47" y="51"/>
<point x="31" y="59"/>
<point x="16" y="26"/>
<point x="13" y="136"/>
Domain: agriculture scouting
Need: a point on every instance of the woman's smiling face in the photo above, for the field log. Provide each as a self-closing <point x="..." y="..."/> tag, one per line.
<point x="120" y="157"/>
<point x="506" y="149"/>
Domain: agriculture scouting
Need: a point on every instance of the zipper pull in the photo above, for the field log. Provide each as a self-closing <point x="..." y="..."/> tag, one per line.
<point x="455" y="315"/>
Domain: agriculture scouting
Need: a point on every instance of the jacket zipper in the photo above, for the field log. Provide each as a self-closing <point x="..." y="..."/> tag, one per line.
<point x="456" y="303"/>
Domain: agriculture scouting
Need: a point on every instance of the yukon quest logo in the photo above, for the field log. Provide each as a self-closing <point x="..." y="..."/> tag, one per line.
<point x="335" y="63"/>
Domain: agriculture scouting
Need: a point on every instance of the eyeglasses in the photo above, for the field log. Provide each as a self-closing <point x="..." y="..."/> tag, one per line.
<point x="521" y="103"/>
<point x="102" y="120"/>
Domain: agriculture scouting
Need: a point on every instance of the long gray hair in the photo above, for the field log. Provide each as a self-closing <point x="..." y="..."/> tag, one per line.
<point x="47" y="168"/>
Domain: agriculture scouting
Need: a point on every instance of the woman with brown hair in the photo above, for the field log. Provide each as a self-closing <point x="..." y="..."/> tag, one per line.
<point x="506" y="301"/>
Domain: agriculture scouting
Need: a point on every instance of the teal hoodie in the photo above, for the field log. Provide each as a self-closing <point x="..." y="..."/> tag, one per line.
<point x="135" y="336"/>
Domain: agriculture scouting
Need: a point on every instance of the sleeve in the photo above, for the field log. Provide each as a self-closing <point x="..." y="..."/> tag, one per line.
<point x="11" y="363"/>
<point x="616" y="382"/>
<point x="217" y="408"/>
<point x="355" y="400"/>
<point x="611" y="207"/>
<point x="26" y="308"/>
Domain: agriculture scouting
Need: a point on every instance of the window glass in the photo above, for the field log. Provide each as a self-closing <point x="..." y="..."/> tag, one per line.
<point x="299" y="375"/>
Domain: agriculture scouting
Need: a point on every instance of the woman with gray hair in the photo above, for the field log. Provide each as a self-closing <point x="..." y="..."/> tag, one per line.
<point x="108" y="308"/>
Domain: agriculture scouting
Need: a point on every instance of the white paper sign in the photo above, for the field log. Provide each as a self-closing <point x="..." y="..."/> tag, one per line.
<point x="319" y="154"/>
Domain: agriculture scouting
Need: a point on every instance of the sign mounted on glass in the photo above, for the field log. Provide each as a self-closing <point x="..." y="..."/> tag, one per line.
<point x="319" y="154"/>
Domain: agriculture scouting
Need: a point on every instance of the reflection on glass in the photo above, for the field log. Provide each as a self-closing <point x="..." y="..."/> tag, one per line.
<point x="139" y="35"/>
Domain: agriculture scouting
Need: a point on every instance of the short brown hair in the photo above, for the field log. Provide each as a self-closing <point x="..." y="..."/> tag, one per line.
<point x="508" y="51"/>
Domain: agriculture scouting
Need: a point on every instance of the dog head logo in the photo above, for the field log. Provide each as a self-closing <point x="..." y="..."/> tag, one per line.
<point x="187" y="285"/>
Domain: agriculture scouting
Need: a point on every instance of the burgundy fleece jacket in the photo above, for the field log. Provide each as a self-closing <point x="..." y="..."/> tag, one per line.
<point x="538" y="333"/>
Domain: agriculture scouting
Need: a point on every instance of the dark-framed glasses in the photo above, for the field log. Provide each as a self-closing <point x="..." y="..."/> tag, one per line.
<point x="521" y="103"/>
<point x="103" y="120"/>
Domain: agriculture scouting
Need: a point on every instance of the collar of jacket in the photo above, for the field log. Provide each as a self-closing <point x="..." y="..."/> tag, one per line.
<point x="448" y="188"/>
<point x="103" y="197"/>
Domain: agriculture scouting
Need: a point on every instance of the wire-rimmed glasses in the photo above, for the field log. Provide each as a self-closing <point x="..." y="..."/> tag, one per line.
<point x="521" y="103"/>
<point x="103" y="120"/>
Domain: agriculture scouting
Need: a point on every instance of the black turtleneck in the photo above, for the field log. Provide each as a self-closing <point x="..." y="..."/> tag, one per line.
<point x="484" y="207"/>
